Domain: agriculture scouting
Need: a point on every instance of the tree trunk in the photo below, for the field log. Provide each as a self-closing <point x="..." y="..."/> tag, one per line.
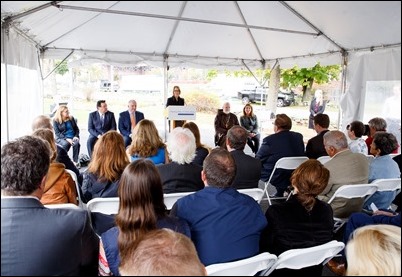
<point x="274" y="84"/>
<point x="307" y="91"/>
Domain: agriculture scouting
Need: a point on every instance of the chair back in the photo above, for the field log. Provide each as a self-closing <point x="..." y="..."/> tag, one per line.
<point x="306" y="257"/>
<point x="255" y="193"/>
<point x="77" y="186"/>
<point x="170" y="198"/>
<point x="284" y="163"/>
<point x="354" y="191"/>
<point x="108" y="205"/>
<point x="324" y="159"/>
<point x="245" y="267"/>
<point x="393" y="184"/>
<point x="62" y="206"/>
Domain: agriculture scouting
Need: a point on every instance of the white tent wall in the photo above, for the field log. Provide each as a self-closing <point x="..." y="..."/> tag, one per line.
<point x="364" y="67"/>
<point x="21" y="85"/>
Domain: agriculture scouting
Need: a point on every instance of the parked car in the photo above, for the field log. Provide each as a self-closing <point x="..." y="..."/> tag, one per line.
<point x="253" y="95"/>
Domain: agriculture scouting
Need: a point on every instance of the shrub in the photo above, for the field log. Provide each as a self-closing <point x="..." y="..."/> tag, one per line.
<point x="203" y="101"/>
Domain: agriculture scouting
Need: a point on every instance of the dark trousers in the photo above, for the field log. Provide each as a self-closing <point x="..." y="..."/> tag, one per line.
<point x="66" y="145"/>
<point x="254" y="143"/>
<point x="90" y="144"/>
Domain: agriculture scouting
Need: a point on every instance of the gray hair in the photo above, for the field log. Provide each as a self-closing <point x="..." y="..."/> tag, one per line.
<point x="181" y="145"/>
<point x="336" y="139"/>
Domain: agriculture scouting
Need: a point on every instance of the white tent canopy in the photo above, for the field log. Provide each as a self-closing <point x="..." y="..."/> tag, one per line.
<point x="228" y="34"/>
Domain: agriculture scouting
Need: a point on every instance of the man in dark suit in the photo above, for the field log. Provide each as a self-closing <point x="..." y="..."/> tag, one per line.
<point x="35" y="240"/>
<point x="99" y="122"/>
<point x="315" y="146"/>
<point x="127" y="121"/>
<point x="248" y="169"/>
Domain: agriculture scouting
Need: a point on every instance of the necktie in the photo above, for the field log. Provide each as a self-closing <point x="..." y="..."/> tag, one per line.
<point x="132" y="119"/>
<point x="102" y="119"/>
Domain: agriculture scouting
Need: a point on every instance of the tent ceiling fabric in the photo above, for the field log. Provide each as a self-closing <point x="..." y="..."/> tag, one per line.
<point x="206" y="33"/>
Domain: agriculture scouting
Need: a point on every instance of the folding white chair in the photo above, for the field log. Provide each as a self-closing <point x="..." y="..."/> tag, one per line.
<point x="62" y="206"/>
<point x="77" y="186"/>
<point x="306" y="257"/>
<point x="171" y="198"/>
<point x="107" y="205"/>
<point x="283" y="163"/>
<point x="255" y="193"/>
<point x="324" y="159"/>
<point x="351" y="191"/>
<point x="245" y="267"/>
<point x="393" y="184"/>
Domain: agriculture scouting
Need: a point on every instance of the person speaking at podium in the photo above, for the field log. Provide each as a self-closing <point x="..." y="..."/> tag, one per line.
<point x="175" y="100"/>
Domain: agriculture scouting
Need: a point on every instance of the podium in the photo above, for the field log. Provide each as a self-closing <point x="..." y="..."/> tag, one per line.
<point x="177" y="115"/>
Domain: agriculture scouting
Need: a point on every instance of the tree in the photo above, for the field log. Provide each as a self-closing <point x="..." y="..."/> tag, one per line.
<point x="306" y="77"/>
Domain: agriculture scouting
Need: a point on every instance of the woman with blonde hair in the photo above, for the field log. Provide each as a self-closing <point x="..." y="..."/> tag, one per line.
<point x="146" y="143"/>
<point x="67" y="132"/>
<point x="201" y="150"/>
<point x="59" y="186"/>
<point x="107" y="164"/>
<point x="374" y="250"/>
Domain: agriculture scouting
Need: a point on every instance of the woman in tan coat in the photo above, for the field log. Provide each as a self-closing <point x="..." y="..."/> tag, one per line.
<point x="59" y="186"/>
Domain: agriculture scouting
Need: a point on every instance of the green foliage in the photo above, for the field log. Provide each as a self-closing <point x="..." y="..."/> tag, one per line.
<point x="306" y="76"/>
<point x="211" y="74"/>
<point x="61" y="67"/>
<point x="204" y="102"/>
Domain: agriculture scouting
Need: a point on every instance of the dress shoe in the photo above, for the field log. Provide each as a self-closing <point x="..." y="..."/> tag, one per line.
<point x="336" y="267"/>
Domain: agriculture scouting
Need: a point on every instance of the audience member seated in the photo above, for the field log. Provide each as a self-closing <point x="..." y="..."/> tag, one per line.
<point x="59" y="185"/>
<point x="357" y="220"/>
<point x="43" y="121"/>
<point x="107" y="164"/>
<point x="225" y="225"/>
<point x="202" y="150"/>
<point x="67" y="132"/>
<point x="284" y="143"/>
<point x="355" y="131"/>
<point x="303" y="220"/>
<point x="127" y="121"/>
<point x="346" y="168"/>
<point x="377" y="124"/>
<point x="162" y="252"/>
<point x="250" y="122"/>
<point x="382" y="167"/>
<point x="315" y="146"/>
<point x="224" y="120"/>
<point x="99" y="122"/>
<point x="180" y="175"/>
<point x="146" y="143"/>
<point x="248" y="169"/>
<point x="141" y="209"/>
<point x="36" y="241"/>
<point x="374" y="250"/>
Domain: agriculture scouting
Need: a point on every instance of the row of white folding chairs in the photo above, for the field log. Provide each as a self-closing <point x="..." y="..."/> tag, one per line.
<point x="265" y="263"/>
<point x="110" y="205"/>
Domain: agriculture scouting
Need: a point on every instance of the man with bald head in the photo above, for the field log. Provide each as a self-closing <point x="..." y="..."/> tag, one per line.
<point x="345" y="168"/>
<point x="127" y="121"/>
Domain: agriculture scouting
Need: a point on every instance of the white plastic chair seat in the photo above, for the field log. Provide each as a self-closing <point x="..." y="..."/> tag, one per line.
<point x="62" y="206"/>
<point x="109" y="205"/>
<point x="324" y="159"/>
<point x="283" y="163"/>
<point x="170" y="198"/>
<point x="255" y="193"/>
<point x="245" y="267"/>
<point x="77" y="186"/>
<point x="351" y="191"/>
<point x="306" y="257"/>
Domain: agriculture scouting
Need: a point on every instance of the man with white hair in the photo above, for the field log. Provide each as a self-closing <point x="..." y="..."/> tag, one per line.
<point x="181" y="175"/>
<point x="224" y="120"/>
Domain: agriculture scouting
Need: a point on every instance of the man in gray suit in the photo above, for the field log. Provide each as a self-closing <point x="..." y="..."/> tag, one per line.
<point x="345" y="168"/>
<point x="36" y="240"/>
<point x="248" y="169"/>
